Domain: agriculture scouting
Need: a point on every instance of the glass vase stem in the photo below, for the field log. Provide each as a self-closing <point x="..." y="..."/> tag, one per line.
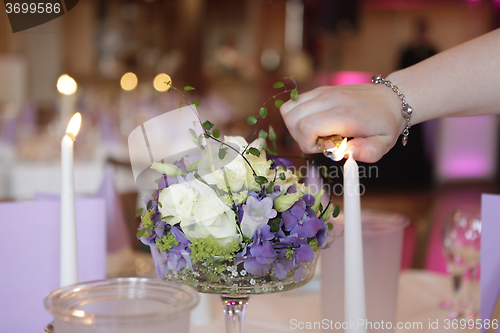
<point x="234" y="311"/>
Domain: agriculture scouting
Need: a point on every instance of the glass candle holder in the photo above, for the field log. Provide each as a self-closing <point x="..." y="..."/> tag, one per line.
<point x="125" y="305"/>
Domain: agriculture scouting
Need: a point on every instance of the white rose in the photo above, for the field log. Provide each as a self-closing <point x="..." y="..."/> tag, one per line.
<point x="290" y="179"/>
<point x="211" y="217"/>
<point x="177" y="201"/>
<point x="261" y="167"/>
<point x="236" y="140"/>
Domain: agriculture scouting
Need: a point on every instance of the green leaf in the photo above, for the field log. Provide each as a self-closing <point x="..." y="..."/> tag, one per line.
<point x="278" y="103"/>
<point x="254" y="151"/>
<point x="197" y="103"/>
<point x="336" y="211"/>
<point x="263" y="112"/>
<point x="293" y="76"/>
<point x="140" y="233"/>
<point x="149" y="205"/>
<point x="180" y="103"/>
<point x="294" y="94"/>
<point x="303" y="155"/>
<point x="168" y="83"/>
<point x="263" y="134"/>
<point x="222" y="153"/>
<point x="216" y="133"/>
<point x="272" y="134"/>
<point x="330" y="226"/>
<point x="186" y="88"/>
<point x="252" y="120"/>
<point x="139" y="212"/>
<point x="167" y="217"/>
<point x="207" y="125"/>
<point x="270" y="188"/>
<point x="282" y="176"/>
<point x="260" y="180"/>
<point x="169" y="89"/>
<point x="278" y="85"/>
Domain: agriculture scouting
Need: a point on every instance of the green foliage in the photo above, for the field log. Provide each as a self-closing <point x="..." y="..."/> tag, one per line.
<point x="336" y="211"/>
<point x="294" y="94"/>
<point x="203" y="249"/>
<point x="254" y="151"/>
<point x="289" y="253"/>
<point x="314" y="244"/>
<point x="329" y="226"/>
<point x="149" y="205"/>
<point x="139" y="212"/>
<point x="260" y="180"/>
<point x="270" y="188"/>
<point x="302" y="155"/>
<point x="282" y="176"/>
<point x="252" y="120"/>
<point x="278" y="85"/>
<point x="207" y="125"/>
<point x="196" y="103"/>
<point x="263" y="134"/>
<point x="278" y="103"/>
<point x="263" y="112"/>
<point x="167" y="242"/>
<point x="216" y="133"/>
<point x="272" y="134"/>
<point x="187" y="88"/>
<point x="222" y="153"/>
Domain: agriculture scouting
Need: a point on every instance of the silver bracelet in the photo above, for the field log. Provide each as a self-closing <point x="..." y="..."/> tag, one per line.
<point x="406" y="109"/>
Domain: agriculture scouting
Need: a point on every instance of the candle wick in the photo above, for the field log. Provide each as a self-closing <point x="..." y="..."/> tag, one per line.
<point x="71" y="136"/>
<point x="349" y="153"/>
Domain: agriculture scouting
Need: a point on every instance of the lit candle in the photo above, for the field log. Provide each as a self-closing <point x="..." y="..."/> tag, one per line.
<point x="67" y="86"/>
<point x="354" y="296"/>
<point x="69" y="263"/>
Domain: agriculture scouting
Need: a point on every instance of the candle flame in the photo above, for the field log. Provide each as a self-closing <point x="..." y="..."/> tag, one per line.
<point x="338" y="154"/>
<point x="74" y="125"/>
<point x="66" y="85"/>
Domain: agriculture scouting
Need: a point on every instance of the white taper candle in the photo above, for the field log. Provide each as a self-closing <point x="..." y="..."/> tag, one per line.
<point x="355" y="305"/>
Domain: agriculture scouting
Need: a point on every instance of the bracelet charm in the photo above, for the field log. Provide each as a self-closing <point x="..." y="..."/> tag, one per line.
<point x="406" y="109"/>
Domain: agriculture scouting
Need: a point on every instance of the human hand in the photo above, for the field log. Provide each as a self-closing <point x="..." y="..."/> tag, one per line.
<point x="369" y="113"/>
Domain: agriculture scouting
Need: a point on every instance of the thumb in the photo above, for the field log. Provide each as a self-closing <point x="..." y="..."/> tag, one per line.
<point x="368" y="150"/>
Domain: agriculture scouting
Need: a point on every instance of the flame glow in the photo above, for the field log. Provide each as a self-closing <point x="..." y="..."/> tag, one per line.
<point x="74" y="125"/>
<point x="66" y="85"/>
<point x="128" y="81"/>
<point x="338" y="154"/>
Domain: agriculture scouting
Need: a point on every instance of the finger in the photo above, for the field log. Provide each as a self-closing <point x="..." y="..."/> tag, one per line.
<point x="370" y="149"/>
<point x="302" y="98"/>
<point x="307" y="109"/>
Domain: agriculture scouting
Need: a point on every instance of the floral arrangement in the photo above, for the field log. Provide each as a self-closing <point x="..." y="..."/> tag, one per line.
<point x="234" y="209"/>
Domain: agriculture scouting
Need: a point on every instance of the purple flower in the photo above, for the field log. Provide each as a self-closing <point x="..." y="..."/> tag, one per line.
<point x="259" y="256"/>
<point x="256" y="213"/>
<point x="301" y="219"/>
<point x="175" y="258"/>
<point x="278" y="161"/>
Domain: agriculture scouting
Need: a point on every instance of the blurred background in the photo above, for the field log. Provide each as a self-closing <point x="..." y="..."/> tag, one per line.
<point x="232" y="52"/>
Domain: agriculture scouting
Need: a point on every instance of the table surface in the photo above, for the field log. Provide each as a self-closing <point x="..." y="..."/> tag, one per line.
<point x="420" y="293"/>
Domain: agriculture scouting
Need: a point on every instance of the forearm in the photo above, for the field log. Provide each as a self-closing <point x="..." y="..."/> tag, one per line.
<point x="462" y="81"/>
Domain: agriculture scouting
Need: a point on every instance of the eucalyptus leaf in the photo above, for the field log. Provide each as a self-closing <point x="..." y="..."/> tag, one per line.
<point x="216" y="133"/>
<point x="254" y="151"/>
<point x="196" y="103"/>
<point x="278" y="85"/>
<point x="336" y="211"/>
<point x="263" y="134"/>
<point x="186" y="88"/>
<point x="263" y="112"/>
<point x="294" y="94"/>
<point x="260" y="180"/>
<point x="140" y="233"/>
<point x="222" y="153"/>
<point x="252" y="120"/>
<point x="207" y="125"/>
<point x="139" y="212"/>
<point x="270" y="188"/>
<point x="282" y="176"/>
<point x="278" y="103"/>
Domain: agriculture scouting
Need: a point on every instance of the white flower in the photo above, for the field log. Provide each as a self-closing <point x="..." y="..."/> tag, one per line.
<point x="211" y="217"/>
<point x="290" y="179"/>
<point x="177" y="201"/>
<point x="261" y="167"/>
<point x="237" y="141"/>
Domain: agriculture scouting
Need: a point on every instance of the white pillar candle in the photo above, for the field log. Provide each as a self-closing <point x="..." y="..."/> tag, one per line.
<point x="354" y="297"/>
<point x="69" y="261"/>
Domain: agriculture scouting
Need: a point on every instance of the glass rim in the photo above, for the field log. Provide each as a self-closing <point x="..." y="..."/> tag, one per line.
<point x="54" y="302"/>
<point x="391" y="221"/>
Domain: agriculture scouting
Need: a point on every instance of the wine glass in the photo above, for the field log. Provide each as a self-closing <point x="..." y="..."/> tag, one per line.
<point x="461" y="247"/>
<point x="232" y="280"/>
